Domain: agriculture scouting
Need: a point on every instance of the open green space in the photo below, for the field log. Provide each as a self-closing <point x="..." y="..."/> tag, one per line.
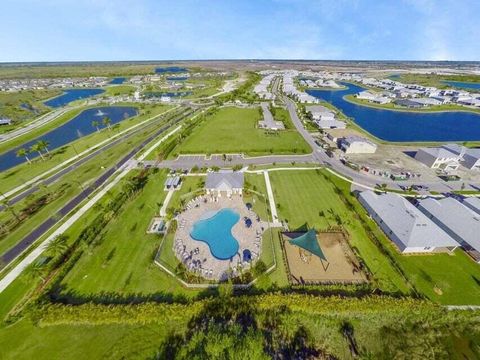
<point x="117" y="90"/>
<point x="234" y="130"/>
<point x="23" y="106"/>
<point x="118" y="266"/>
<point x="123" y="262"/>
<point x="67" y="187"/>
<point x="309" y="198"/>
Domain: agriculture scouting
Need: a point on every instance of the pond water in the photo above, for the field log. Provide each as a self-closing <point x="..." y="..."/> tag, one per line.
<point x="170" y="69"/>
<point x="118" y="80"/>
<point x="75" y="128"/>
<point x="72" y="95"/>
<point x="463" y="85"/>
<point x="216" y="232"/>
<point x="177" y="78"/>
<point x="405" y="126"/>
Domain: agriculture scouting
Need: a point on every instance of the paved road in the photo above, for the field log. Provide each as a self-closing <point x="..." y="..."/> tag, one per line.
<point x="187" y="162"/>
<point x="361" y="178"/>
<point x="55" y="177"/>
<point x="28" y="240"/>
<point x="42" y="120"/>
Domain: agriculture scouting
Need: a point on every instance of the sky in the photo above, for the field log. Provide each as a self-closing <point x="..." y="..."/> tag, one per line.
<point x="94" y="30"/>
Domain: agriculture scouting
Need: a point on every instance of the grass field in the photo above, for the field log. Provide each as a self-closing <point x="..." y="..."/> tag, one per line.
<point x="233" y="130"/>
<point x="12" y="106"/>
<point x="306" y="199"/>
<point x="123" y="262"/>
<point x="447" y="279"/>
<point x="72" y="183"/>
<point x="116" y="90"/>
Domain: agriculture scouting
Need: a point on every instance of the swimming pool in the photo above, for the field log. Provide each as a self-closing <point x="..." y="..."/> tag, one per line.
<point x="216" y="232"/>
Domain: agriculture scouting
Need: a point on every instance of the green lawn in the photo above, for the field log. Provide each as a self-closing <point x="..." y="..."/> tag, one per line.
<point x="23" y="106"/>
<point x="233" y="130"/>
<point x="123" y="261"/>
<point x="83" y="175"/>
<point x="116" y="90"/>
<point x="305" y="198"/>
<point x="444" y="278"/>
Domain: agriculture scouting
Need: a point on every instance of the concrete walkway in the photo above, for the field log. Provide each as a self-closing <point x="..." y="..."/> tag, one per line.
<point x="163" y="210"/>
<point x="271" y="201"/>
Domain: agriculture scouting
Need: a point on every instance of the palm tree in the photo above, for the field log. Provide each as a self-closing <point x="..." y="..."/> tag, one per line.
<point x="35" y="270"/>
<point x="58" y="245"/>
<point x="6" y="204"/>
<point x="36" y="147"/>
<point x="23" y="152"/>
<point x="106" y="121"/>
<point x="95" y="124"/>
<point x="44" y="145"/>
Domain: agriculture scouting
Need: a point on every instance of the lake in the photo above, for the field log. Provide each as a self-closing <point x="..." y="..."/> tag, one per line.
<point x="177" y="78"/>
<point x="79" y="126"/>
<point x="118" y="80"/>
<point x="72" y="95"/>
<point x="463" y="85"/>
<point x="170" y="69"/>
<point x="404" y="126"/>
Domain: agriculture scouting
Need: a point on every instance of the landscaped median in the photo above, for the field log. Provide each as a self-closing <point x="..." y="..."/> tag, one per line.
<point x="21" y="174"/>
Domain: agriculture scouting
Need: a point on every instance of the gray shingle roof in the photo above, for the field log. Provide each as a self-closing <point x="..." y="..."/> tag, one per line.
<point x="472" y="203"/>
<point x="457" y="219"/>
<point x="408" y="223"/>
<point x="224" y="180"/>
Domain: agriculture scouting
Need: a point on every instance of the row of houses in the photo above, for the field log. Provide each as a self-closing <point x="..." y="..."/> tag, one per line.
<point x="13" y="85"/>
<point x="449" y="157"/>
<point x="411" y="95"/>
<point x="290" y="89"/>
<point x="324" y="118"/>
<point x="431" y="225"/>
<point x="313" y="83"/>
<point x="261" y="89"/>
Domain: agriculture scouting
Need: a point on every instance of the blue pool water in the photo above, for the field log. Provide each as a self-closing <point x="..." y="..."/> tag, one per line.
<point x="170" y="69"/>
<point x="216" y="232"/>
<point x="79" y="126"/>
<point x="72" y="95"/>
<point x="393" y="125"/>
<point x="463" y="85"/>
<point x="118" y="80"/>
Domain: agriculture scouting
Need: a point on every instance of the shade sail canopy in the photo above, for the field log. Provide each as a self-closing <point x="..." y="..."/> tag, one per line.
<point x="308" y="241"/>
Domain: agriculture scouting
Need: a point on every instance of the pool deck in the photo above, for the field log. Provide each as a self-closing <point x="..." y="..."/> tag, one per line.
<point x="196" y="255"/>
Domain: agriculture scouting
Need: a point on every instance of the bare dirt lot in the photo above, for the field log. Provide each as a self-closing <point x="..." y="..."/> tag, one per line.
<point x="341" y="265"/>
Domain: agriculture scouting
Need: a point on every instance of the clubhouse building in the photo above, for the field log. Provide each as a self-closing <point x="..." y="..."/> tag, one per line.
<point x="227" y="182"/>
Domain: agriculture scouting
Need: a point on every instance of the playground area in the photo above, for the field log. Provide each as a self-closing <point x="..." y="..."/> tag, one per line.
<point x="330" y="260"/>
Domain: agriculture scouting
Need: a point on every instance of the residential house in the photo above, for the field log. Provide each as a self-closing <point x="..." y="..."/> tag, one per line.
<point x="457" y="220"/>
<point x="404" y="224"/>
